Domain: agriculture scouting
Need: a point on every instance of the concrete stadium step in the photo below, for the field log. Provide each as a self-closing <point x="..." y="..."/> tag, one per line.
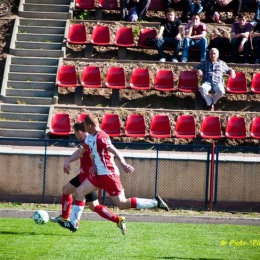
<point x="38" y="45"/>
<point x="32" y="77"/>
<point x="22" y="133"/>
<point x="33" y="61"/>
<point x="23" y="121"/>
<point x="40" y="37"/>
<point x="46" y="9"/>
<point x="33" y="68"/>
<point x="31" y="85"/>
<point x="24" y="116"/>
<point x="7" y="124"/>
<point x="26" y="29"/>
<point x="24" y="109"/>
<point x="29" y="92"/>
<point x="28" y="100"/>
<point x="37" y="53"/>
<point x="42" y="22"/>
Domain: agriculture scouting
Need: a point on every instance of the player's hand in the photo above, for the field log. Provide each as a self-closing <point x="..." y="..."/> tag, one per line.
<point x="66" y="167"/>
<point x="128" y="168"/>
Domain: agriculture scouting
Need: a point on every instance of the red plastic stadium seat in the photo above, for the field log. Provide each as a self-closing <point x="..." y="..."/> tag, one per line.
<point x="77" y="34"/>
<point x="185" y="127"/>
<point x="238" y="84"/>
<point x="210" y="127"/>
<point x="156" y="5"/>
<point x="124" y="37"/>
<point x="160" y="126"/>
<point x="255" y="128"/>
<point x="163" y="80"/>
<point x="108" y="4"/>
<point x="111" y="125"/>
<point x="140" y="79"/>
<point x="81" y="117"/>
<point x="91" y="77"/>
<point x="115" y="78"/>
<point x="100" y="35"/>
<point x="85" y="4"/>
<point x="255" y="86"/>
<point x="143" y="35"/>
<point x="188" y="81"/>
<point x="67" y="77"/>
<point x="60" y="125"/>
<point x="135" y="126"/>
<point x="236" y="128"/>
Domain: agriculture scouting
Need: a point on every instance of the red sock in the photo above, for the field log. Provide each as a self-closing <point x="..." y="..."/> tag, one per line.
<point x="133" y="203"/>
<point x="104" y="212"/>
<point x="66" y="205"/>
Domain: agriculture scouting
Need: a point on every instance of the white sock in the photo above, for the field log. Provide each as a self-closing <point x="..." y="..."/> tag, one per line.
<point x="146" y="203"/>
<point x="76" y="215"/>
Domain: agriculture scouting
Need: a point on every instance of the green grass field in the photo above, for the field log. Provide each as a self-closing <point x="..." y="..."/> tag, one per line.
<point x="23" y="239"/>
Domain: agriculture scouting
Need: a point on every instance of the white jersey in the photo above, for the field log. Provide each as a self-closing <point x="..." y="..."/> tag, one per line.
<point x="104" y="160"/>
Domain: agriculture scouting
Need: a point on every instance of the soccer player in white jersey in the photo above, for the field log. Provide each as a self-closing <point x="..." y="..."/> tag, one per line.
<point x="107" y="177"/>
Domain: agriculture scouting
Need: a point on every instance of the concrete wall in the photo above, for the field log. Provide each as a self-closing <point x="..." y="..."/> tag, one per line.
<point x="178" y="179"/>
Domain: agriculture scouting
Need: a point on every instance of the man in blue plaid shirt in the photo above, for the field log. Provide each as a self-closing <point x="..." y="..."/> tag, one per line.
<point x="211" y="71"/>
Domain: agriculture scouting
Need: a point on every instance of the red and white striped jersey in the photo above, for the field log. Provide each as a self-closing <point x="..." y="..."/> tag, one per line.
<point x="104" y="160"/>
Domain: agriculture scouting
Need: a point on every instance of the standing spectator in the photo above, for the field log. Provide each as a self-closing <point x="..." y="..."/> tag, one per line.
<point x="195" y="37"/>
<point x="169" y="35"/>
<point x="240" y="38"/>
<point x="257" y="13"/>
<point x="141" y="5"/>
<point x="211" y="71"/>
<point x="183" y="5"/>
<point x="256" y="43"/>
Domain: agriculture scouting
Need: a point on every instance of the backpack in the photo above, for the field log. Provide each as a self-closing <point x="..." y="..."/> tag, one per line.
<point x="133" y="14"/>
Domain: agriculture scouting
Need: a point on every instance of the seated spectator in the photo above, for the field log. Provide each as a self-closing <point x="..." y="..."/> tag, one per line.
<point x="257" y="13"/>
<point x="240" y="39"/>
<point x="141" y="5"/>
<point x="256" y="43"/>
<point x="211" y="71"/>
<point x="196" y="7"/>
<point x="195" y="37"/>
<point x="237" y="6"/>
<point x="183" y="5"/>
<point x="169" y="35"/>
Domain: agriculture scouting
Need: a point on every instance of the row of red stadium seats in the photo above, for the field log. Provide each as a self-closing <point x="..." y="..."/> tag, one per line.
<point x="140" y="80"/>
<point x="100" y="36"/>
<point x="160" y="126"/>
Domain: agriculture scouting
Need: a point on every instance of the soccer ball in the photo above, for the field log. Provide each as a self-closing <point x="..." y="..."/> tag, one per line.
<point x="41" y="217"/>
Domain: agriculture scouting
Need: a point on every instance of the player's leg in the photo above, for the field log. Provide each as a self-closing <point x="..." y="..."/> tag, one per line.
<point x="104" y="212"/>
<point x="86" y="187"/>
<point x="67" y="199"/>
<point x="114" y="188"/>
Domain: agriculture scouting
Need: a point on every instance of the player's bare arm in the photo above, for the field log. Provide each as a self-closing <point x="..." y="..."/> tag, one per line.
<point x="127" y="167"/>
<point x="75" y="156"/>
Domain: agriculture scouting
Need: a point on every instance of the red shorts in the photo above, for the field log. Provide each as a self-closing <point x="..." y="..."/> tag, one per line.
<point x="111" y="183"/>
